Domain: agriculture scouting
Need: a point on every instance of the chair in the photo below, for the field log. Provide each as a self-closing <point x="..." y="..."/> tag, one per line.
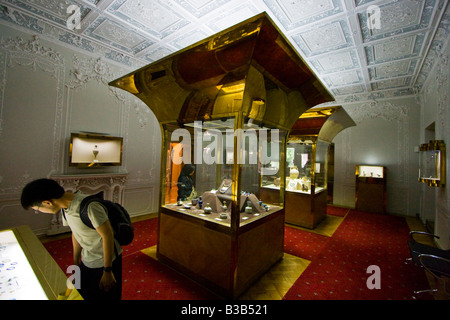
<point x="438" y="274"/>
<point x="417" y="248"/>
<point x="435" y="261"/>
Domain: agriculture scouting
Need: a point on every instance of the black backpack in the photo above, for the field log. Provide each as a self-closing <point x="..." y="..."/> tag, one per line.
<point x="118" y="217"/>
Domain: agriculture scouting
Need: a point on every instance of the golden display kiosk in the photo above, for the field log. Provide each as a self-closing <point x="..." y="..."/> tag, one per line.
<point x="225" y="104"/>
<point x="306" y="159"/>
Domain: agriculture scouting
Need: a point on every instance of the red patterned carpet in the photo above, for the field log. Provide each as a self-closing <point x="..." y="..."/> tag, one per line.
<point x="143" y="277"/>
<point x="338" y="268"/>
<point x="337" y="211"/>
<point x="339" y="271"/>
<point x="145" y="236"/>
<point x="303" y="244"/>
<point x="146" y="279"/>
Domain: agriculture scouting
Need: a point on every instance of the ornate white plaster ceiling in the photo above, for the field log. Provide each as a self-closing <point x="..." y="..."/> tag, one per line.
<point x="360" y="49"/>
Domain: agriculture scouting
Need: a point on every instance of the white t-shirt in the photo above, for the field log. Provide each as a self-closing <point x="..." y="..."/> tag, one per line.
<point x="89" y="239"/>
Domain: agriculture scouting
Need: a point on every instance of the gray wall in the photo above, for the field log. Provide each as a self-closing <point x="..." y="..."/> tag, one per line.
<point x="385" y="134"/>
<point x="435" y="113"/>
<point x="47" y="92"/>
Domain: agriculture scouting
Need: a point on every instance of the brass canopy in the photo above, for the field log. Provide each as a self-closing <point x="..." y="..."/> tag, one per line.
<point x="323" y="123"/>
<point x="249" y="69"/>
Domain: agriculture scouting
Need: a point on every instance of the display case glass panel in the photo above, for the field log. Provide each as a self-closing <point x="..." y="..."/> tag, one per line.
<point x="364" y="171"/>
<point x="298" y="173"/>
<point x="17" y="279"/>
<point x="306" y="164"/>
<point x="432" y="163"/>
<point x="320" y="166"/>
<point x="201" y="162"/>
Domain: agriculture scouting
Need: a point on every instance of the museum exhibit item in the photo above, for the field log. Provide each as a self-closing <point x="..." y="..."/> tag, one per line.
<point x="27" y="270"/>
<point x="371" y="188"/>
<point x="306" y="164"/>
<point x="225" y="104"/>
<point x="432" y="163"/>
<point x="93" y="150"/>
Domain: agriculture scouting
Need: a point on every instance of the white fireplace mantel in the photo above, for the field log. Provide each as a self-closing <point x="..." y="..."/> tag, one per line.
<point x="112" y="185"/>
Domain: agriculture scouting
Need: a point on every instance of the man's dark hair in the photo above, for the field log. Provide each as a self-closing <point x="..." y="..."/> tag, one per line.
<point x="40" y="190"/>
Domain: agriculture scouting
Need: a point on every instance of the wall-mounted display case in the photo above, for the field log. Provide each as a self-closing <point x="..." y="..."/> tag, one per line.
<point x="93" y="150"/>
<point x="27" y="271"/>
<point x="225" y="105"/>
<point x="371" y="188"/>
<point x="432" y="163"/>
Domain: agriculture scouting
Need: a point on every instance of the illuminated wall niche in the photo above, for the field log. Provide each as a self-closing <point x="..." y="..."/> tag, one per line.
<point x="94" y="150"/>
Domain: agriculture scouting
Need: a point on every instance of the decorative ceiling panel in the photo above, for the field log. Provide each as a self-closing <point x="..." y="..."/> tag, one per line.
<point x="360" y="49"/>
<point x="343" y="78"/>
<point x="232" y="15"/>
<point x="110" y="32"/>
<point x="339" y="61"/>
<point x="395" y="48"/>
<point x="189" y="38"/>
<point x="199" y="8"/>
<point x="393" y="69"/>
<point x="348" y="90"/>
<point x="397" y="18"/>
<point x="321" y="39"/>
<point x="153" y="17"/>
<point x="391" y="83"/>
<point x="294" y="14"/>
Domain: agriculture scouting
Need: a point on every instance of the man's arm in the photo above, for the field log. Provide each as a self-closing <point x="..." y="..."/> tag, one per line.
<point x="76" y="251"/>
<point x="105" y="230"/>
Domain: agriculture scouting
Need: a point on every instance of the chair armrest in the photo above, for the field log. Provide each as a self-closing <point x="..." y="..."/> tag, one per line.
<point x="412" y="233"/>
<point x="438" y="265"/>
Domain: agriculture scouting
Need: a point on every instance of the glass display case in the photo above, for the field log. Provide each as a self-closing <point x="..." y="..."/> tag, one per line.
<point x="27" y="271"/>
<point x="370" y="171"/>
<point x="306" y="181"/>
<point x="17" y="279"/>
<point x="432" y="163"/>
<point x="370" y="188"/>
<point x="88" y="150"/>
<point x="224" y="123"/>
<point x="306" y="164"/>
<point x="202" y="186"/>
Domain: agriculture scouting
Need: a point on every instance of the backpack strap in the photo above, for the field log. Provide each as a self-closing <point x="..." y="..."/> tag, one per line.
<point x="84" y="213"/>
<point x="84" y="208"/>
<point x="84" y="216"/>
<point x="63" y="214"/>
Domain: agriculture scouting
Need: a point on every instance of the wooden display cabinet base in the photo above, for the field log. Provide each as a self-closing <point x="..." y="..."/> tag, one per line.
<point x="306" y="210"/>
<point x="226" y="263"/>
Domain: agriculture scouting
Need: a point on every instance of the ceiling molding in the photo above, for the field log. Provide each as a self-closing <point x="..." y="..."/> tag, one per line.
<point x="361" y="50"/>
